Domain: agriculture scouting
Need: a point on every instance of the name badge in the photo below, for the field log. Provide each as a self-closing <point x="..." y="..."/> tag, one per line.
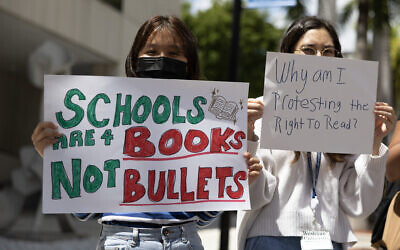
<point x="316" y="240"/>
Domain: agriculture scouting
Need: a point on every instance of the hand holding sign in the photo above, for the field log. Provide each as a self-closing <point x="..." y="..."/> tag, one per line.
<point x="254" y="167"/>
<point x="384" y="123"/>
<point x="44" y="135"/>
<point x="254" y="112"/>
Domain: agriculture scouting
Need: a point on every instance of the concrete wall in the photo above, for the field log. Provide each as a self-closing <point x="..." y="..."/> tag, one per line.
<point x="139" y="10"/>
<point x="92" y="24"/>
<point x="98" y="38"/>
<point x="19" y="109"/>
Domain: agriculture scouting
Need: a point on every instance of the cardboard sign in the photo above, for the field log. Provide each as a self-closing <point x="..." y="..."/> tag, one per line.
<point x="319" y="104"/>
<point x="134" y="144"/>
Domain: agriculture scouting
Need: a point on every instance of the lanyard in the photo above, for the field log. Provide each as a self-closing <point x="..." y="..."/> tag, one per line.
<point x="317" y="166"/>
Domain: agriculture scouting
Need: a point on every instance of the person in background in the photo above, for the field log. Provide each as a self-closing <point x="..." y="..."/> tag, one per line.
<point x="163" y="48"/>
<point x="385" y="233"/>
<point x="393" y="163"/>
<point x="300" y="191"/>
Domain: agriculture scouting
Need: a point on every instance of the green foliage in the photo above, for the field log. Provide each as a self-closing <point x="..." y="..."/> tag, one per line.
<point x="296" y="11"/>
<point x="212" y="28"/>
<point x="395" y="61"/>
<point x="347" y="11"/>
<point x="381" y="13"/>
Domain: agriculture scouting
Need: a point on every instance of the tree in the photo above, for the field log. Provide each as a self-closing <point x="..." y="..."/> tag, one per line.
<point x="362" y="29"/>
<point x="363" y="7"/>
<point x="296" y="11"/>
<point x="327" y="10"/>
<point x="395" y="60"/>
<point x="381" y="50"/>
<point x="212" y="27"/>
<point x="378" y="13"/>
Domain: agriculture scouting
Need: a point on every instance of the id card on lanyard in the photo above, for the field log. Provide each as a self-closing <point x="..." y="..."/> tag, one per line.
<point x="316" y="238"/>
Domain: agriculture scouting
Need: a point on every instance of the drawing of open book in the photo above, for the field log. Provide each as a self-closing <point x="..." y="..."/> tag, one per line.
<point x="223" y="109"/>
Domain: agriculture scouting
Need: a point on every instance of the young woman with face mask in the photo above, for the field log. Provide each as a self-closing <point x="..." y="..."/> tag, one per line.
<point x="314" y="191"/>
<point x="163" y="48"/>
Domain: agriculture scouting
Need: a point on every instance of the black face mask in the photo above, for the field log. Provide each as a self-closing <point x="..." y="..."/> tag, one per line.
<point x="161" y="67"/>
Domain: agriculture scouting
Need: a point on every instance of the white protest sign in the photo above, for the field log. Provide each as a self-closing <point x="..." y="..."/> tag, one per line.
<point x="134" y="144"/>
<point x="315" y="103"/>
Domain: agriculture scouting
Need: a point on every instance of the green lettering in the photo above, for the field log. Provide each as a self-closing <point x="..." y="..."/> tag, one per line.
<point x="163" y="117"/>
<point x="91" y="111"/>
<point x="107" y="137"/>
<point x="58" y="176"/>
<point x="93" y="185"/>
<point x="74" y="121"/>
<point x="176" y="118"/>
<point x="125" y="109"/>
<point x="146" y="103"/>
<point x="89" y="141"/>
<point x="75" y="136"/>
<point x="61" y="140"/>
<point x="110" y="166"/>
<point x="200" y="112"/>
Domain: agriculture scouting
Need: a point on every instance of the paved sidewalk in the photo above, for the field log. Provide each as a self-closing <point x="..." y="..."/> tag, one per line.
<point x="211" y="235"/>
<point x="210" y="238"/>
<point x="49" y="236"/>
<point x="364" y="241"/>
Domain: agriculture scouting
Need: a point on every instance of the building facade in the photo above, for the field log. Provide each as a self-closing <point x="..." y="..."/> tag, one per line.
<point x="86" y="37"/>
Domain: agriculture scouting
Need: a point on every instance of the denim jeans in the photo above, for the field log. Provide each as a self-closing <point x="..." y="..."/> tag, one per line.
<point x="279" y="243"/>
<point x="183" y="236"/>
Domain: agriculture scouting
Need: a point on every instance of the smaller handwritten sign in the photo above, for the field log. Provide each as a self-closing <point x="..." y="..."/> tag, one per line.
<point x="315" y="103"/>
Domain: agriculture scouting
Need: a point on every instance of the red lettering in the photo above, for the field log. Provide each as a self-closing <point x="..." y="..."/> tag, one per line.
<point x="222" y="173"/>
<point x="218" y="140"/>
<point x="241" y="175"/>
<point x="176" y="137"/>
<point x="131" y="179"/>
<point x="184" y="194"/>
<point x="171" y="185"/>
<point x="195" y="148"/>
<point x="146" y="148"/>
<point x="161" y="186"/>
<point x="238" y="135"/>
<point x="202" y="182"/>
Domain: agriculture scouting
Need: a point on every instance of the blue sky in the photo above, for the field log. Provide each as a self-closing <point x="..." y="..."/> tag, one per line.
<point x="347" y="34"/>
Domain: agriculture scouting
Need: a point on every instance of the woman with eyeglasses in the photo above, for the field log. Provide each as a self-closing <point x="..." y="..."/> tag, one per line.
<point x="315" y="192"/>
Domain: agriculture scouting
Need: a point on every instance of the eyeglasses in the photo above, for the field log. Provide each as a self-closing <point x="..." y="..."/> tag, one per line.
<point x="328" y="51"/>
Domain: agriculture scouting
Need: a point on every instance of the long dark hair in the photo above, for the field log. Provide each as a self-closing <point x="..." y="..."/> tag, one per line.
<point x="292" y="35"/>
<point x="176" y="27"/>
<point x="299" y="27"/>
